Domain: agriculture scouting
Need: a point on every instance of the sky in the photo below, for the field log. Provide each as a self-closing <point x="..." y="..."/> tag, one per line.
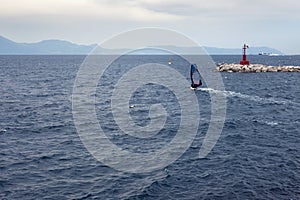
<point x="217" y="23"/>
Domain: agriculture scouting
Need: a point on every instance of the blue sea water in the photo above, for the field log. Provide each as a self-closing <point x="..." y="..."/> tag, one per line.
<point x="42" y="157"/>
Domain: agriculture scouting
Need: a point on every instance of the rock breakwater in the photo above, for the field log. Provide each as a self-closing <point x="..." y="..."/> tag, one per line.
<point x="255" y="68"/>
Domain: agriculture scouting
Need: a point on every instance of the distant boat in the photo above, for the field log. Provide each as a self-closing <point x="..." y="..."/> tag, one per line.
<point x="170" y="61"/>
<point x="263" y="54"/>
<point x="267" y="54"/>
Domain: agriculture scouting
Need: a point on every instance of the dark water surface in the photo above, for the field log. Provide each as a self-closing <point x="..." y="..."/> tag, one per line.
<point x="42" y="156"/>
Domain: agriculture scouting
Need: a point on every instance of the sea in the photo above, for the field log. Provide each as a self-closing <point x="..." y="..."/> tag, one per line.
<point x="42" y="155"/>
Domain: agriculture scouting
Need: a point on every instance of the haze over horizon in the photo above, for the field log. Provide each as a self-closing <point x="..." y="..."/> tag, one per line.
<point x="227" y="24"/>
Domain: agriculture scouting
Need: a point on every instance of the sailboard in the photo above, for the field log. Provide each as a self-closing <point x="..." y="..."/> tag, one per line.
<point x="195" y="77"/>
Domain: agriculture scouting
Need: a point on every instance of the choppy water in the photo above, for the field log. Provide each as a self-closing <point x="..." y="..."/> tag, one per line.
<point x="256" y="157"/>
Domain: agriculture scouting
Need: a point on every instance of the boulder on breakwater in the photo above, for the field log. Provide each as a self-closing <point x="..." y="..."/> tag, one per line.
<point x="253" y="68"/>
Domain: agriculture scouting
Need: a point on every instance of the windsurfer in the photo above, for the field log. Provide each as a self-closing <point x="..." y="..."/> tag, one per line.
<point x="194" y="69"/>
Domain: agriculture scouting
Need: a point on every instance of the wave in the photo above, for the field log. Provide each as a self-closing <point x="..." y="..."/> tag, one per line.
<point x="270" y="123"/>
<point x="144" y="185"/>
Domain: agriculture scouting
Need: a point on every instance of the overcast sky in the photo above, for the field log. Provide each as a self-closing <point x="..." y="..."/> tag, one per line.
<point x="220" y="23"/>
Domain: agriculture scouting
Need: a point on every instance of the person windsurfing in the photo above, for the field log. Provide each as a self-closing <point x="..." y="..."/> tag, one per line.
<point x="194" y="69"/>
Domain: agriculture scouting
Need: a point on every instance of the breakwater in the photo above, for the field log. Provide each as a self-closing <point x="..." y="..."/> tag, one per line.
<point x="255" y="68"/>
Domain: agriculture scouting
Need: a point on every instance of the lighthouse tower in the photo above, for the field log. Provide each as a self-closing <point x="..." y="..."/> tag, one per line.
<point x="244" y="61"/>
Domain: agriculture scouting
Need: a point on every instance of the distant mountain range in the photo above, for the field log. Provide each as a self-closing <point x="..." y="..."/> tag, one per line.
<point x="61" y="47"/>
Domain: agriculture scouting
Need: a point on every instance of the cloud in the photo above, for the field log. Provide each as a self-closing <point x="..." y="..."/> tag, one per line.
<point x="114" y="10"/>
<point x="225" y="8"/>
<point x="216" y="22"/>
<point x="152" y="10"/>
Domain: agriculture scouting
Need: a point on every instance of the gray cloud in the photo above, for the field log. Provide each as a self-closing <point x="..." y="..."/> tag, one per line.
<point x="225" y="23"/>
<point x="226" y="8"/>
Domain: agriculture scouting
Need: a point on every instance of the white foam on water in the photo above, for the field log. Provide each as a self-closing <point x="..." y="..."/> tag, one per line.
<point x="2" y="130"/>
<point x="270" y="123"/>
<point x="248" y="97"/>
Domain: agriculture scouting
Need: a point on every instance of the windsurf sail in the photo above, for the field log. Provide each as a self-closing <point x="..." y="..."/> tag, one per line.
<point x="195" y="76"/>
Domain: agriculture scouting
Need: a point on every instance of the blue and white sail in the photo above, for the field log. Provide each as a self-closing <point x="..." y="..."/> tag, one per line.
<point x="195" y="76"/>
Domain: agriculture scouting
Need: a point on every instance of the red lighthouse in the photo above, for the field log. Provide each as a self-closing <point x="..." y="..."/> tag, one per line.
<point x="244" y="61"/>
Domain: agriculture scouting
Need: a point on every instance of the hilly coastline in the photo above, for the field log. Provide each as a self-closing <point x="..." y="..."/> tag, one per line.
<point x="62" y="47"/>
